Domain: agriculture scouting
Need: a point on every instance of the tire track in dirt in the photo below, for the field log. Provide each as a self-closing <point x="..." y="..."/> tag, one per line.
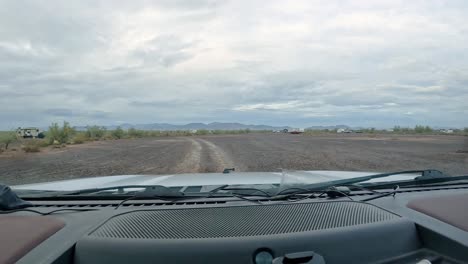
<point x="218" y="160"/>
<point x="192" y="160"/>
<point x="203" y="156"/>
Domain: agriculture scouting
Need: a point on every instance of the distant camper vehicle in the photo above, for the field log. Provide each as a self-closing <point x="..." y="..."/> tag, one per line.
<point x="344" y="130"/>
<point x="447" y="131"/>
<point x="29" y="132"/>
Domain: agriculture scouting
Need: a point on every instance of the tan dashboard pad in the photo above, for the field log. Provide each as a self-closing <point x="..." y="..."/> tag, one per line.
<point x="451" y="209"/>
<point x="20" y="234"/>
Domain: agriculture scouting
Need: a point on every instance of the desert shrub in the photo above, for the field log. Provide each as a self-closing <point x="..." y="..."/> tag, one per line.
<point x="202" y="132"/>
<point x="118" y="133"/>
<point x="95" y="132"/>
<point x="41" y="143"/>
<point x="223" y="132"/>
<point x="154" y="133"/>
<point x="32" y="146"/>
<point x="260" y="131"/>
<point x="80" y="138"/>
<point x="59" y="134"/>
<point x="185" y="133"/>
<point x="135" y="133"/>
<point x="369" y="130"/>
<point x="7" y="138"/>
<point x="422" y="129"/>
<point x="419" y="129"/>
<point x="314" y="132"/>
<point x="108" y="136"/>
<point x="406" y="130"/>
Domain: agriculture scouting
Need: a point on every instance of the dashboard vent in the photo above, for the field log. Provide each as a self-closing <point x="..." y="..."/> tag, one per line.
<point x="240" y="221"/>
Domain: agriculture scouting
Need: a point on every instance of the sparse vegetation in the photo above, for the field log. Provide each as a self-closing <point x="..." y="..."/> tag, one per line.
<point x="201" y="132"/>
<point x="7" y="138"/>
<point x="95" y="132"/>
<point x="60" y="135"/>
<point x="370" y="130"/>
<point x="422" y="129"/>
<point x="32" y="146"/>
<point x="80" y="138"/>
<point x="224" y="132"/>
<point x="118" y="133"/>
<point x="135" y="133"/>
<point x="418" y="129"/>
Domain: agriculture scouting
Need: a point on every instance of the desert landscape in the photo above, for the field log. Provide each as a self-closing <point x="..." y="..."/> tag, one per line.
<point x="244" y="152"/>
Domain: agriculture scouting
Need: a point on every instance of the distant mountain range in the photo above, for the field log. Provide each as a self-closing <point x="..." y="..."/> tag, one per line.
<point x="193" y="126"/>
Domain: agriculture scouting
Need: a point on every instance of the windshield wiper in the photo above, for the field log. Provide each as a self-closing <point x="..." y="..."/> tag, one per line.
<point x="332" y="187"/>
<point x="245" y="191"/>
<point x="425" y="174"/>
<point x="174" y="197"/>
<point x="452" y="180"/>
<point x="117" y="191"/>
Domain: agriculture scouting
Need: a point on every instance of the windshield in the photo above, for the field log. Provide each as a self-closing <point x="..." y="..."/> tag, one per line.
<point x="190" y="94"/>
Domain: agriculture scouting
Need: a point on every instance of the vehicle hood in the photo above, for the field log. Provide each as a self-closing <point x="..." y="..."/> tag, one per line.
<point x="207" y="179"/>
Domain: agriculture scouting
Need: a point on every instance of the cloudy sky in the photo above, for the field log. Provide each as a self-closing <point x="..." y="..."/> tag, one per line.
<point x="299" y="63"/>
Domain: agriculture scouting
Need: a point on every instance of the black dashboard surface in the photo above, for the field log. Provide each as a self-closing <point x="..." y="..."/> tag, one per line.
<point x="384" y="230"/>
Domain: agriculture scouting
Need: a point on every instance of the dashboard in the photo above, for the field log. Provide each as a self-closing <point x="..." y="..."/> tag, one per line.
<point x="420" y="225"/>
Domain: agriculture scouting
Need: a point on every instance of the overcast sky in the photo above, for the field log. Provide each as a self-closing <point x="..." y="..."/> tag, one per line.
<point x="298" y="63"/>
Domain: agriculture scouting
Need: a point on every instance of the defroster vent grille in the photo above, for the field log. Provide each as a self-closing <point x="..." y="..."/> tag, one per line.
<point x="216" y="222"/>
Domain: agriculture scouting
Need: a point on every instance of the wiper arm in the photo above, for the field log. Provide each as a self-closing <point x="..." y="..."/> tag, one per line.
<point x="333" y="186"/>
<point x="119" y="191"/>
<point x="162" y="190"/>
<point x="425" y="174"/>
<point x="151" y="193"/>
<point x="240" y="191"/>
<point x="420" y="182"/>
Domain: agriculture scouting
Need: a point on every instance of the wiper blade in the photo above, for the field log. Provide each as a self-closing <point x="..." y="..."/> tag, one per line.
<point x="151" y="194"/>
<point x="120" y="190"/>
<point x="425" y="174"/>
<point x="244" y="191"/>
<point x="452" y="180"/>
<point x="332" y="187"/>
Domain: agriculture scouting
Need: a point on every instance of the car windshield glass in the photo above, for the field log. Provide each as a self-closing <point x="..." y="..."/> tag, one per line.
<point x="196" y="95"/>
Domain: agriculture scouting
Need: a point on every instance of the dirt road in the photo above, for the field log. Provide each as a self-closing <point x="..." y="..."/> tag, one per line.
<point x="252" y="152"/>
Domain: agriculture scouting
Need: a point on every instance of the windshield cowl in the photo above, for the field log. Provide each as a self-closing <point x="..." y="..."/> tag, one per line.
<point x="207" y="182"/>
<point x="202" y="179"/>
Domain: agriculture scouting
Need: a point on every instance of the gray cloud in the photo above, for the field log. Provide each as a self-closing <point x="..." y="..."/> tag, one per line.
<point x="70" y="113"/>
<point x="59" y="112"/>
<point x="164" y="50"/>
<point x="304" y="63"/>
